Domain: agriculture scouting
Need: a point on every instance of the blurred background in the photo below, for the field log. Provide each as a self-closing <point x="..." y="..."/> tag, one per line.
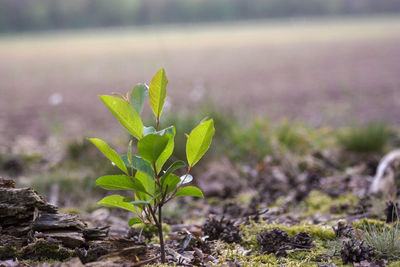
<point x="323" y="62"/>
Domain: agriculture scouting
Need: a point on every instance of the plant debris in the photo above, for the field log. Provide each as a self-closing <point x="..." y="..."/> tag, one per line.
<point x="356" y="252"/>
<point x="278" y="241"/>
<point x="223" y="229"/>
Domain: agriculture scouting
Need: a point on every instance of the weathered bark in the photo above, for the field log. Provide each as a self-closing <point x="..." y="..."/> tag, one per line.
<point x="47" y="221"/>
<point x="18" y="205"/>
<point x="96" y="233"/>
<point x="31" y="228"/>
<point x="68" y="239"/>
<point x="7" y="183"/>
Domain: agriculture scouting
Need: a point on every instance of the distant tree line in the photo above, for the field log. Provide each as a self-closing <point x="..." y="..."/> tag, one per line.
<point x="29" y="15"/>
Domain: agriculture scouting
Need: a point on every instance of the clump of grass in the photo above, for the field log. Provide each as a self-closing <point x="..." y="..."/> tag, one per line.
<point x="251" y="143"/>
<point x="370" y="138"/>
<point x="384" y="238"/>
<point x="293" y="137"/>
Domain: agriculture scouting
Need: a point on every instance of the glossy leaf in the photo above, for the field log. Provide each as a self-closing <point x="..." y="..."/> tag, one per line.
<point x="151" y="146"/>
<point x="118" y="202"/>
<point x="129" y="153"/>
<point x="189" y="191"/>
<point x="141" y="203"/>
<point x="138" y="96"/>
<point x="115" y="182"/>
<point x="158" y="92"/>
<point x="139" y="164"/>
<point x="118" y="95"/>
<point x="147" y="182"/>
<point x="134" y="221"/>
<point x="171" y="181"/>
<point x="125" y="113"/>
<point x="148" y="130"/>
<point x="199" y="141"/>
<point x="184" y="179"/>
<point x="174" y="166"/>
<point x="109" y="153"/>
<point x="170" y="132"/>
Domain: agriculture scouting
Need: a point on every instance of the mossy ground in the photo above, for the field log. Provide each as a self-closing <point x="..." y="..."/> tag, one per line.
<point x="245" y="145"/>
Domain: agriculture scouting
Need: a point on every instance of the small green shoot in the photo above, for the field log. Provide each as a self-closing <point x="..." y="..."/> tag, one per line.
<point x="143" y="173"/>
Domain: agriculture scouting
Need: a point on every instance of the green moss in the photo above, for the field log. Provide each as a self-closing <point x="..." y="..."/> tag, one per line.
<point x="7" y="252"/>
<point x="266" y="259"/>
<point x="322" y="236"/>
<point x="393" y="264"/>
<point x="247" y="253"/>
<point x="72" y="210"/>
<point x="318" y="202"/>
<point x="43" y="250"/>
<point x="251" y="230"/>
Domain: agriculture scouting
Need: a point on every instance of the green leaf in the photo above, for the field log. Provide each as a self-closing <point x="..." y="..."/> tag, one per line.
<point x="147" y="182"/>
<point x="171" y="181"/>
<point x="141" y="203"/>
<point x="139" y="164"/>
<point x="120" y="182"/>
<point x="174" y="166"/>
<point x="125" y="113"/>
<point x="118" y="95"/>
<point x="134" y="221"/>
<point x="189" y="191"/>
<point x="138" y="95"/>
<point x="117" y="201"/>
<point x="148" y="130"/>
<point x="199" y="141"/>
<point x="109" y="153"/>
<point x="157" y="92"/>
<point x="115" y="182"/>
<point x="170" y="132"/>
<point x="152" y="130"/>
<point x="151" y="146"/>
<point x="187" y="178"/>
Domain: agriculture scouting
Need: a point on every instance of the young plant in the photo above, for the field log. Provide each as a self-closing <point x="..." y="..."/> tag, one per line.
<point x="143" y="173"/>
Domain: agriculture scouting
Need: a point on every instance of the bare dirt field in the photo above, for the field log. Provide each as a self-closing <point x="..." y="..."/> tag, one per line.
<point x="324" y="72"/>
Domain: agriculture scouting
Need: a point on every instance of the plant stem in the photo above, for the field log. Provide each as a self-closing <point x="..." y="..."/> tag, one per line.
<point x="160" y="234"/>
<point x="158" y="224"/>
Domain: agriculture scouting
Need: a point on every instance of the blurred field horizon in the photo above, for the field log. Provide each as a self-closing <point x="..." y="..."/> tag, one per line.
<point x="322" y="71"/>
